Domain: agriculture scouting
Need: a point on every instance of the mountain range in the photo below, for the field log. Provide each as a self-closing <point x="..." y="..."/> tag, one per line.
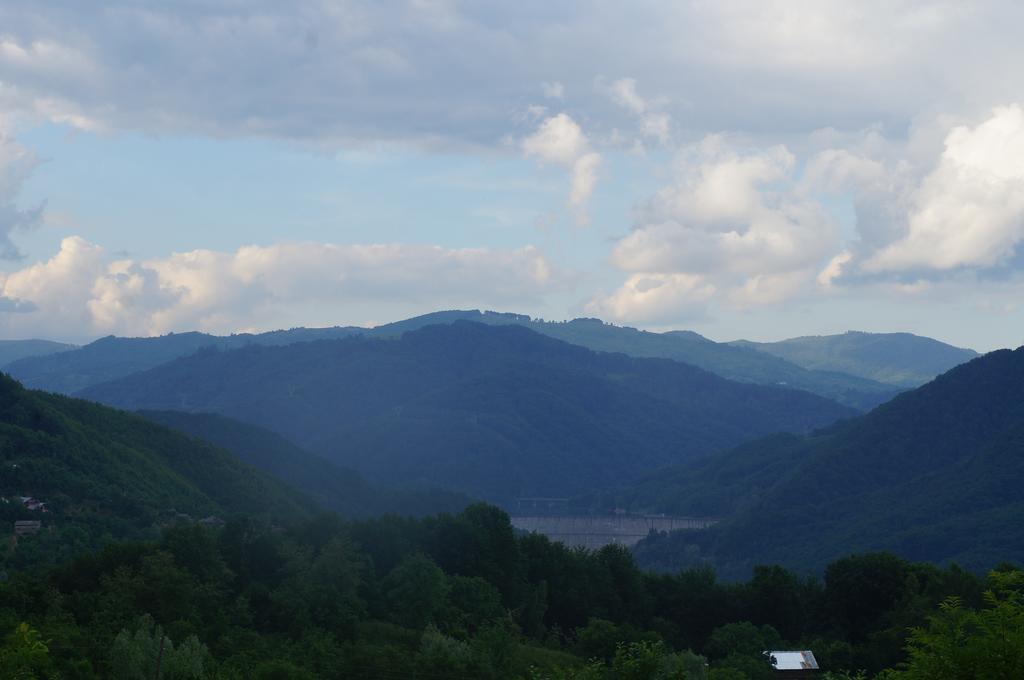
<point x="492" y="411"/>
<point x="933" y="475"/>
<point x="858" y="374"/>
<point x="418" y="416"/>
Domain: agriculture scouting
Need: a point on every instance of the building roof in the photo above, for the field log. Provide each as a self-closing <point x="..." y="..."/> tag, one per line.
<point x="794" y="660"/>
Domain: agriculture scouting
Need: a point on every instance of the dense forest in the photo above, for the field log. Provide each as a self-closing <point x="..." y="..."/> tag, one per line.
<point x="494" y="412"/>
<point x="463" y="596"/>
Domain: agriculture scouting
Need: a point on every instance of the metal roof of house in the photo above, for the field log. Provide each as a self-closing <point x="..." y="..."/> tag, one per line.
<point x="794" y="661"/>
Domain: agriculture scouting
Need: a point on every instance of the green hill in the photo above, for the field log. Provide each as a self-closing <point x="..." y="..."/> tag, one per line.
<point x="342" y="490"/>
<point x="933" y="475"/>
<point x="104" y="474"/>
<point x="900" y="359"/>
<point x="496" y="412"/>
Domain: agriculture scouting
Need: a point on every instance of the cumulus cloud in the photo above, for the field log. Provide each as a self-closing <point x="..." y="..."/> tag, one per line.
<point x="732" y="225"/>
<point x="559" y="140"/>
<point x="59" y="288"/>
<point x="750" y="227"/>
<point x="969" y="211"/>
<point x="81" y="291"/>
<point x="655" y="298"/>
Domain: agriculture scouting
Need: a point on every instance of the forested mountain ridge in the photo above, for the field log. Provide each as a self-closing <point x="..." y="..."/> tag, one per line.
<point x="496" y="412"/>
<point x="741" y="364"/>
<point x="102" y="474"/>
<point x="933" y="475"/>
<point x="900" y="359"/>
<point x="342" y="490"/>
<point x="111" y="358"/>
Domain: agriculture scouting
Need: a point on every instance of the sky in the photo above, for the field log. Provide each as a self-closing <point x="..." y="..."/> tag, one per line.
<point x="755" y="170"/>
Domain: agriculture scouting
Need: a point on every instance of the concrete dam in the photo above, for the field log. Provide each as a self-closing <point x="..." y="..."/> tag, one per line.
<point x="593" y="532"/>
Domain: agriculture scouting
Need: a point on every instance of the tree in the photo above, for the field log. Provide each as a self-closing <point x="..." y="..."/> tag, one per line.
<point x="24" y="655"/>
<point x="743" y="638"/>
<point x="961" y="644"/>
<point x="145" y="653"/>
<point x="861" y="589"/>
<point x="473" y="603"/>
<point x="778" y="598"/>
<point x="416" y="591"/>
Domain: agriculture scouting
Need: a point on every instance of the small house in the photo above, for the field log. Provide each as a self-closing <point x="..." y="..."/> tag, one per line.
<point x="31" y="503"/>
<point x="793" y="665"/>
<point x="212" y="522"/>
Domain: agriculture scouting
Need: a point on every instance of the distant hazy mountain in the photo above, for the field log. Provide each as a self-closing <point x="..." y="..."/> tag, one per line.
<point x="12" y="350"/>
<point x="495" y="412"/>
<point x="900" y="359"/>
<point x="936" y="474"/>
<point x="107" y="474"/>
<point x="111" y="358"/>
<point x="340" y="489"/>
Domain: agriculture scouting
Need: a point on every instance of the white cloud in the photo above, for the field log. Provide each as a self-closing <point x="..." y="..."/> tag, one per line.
<point x="655" y="298"/>
<point x="765" y="289"/>
<point x="560" y="140"/>
<point x="729" y="213"/>
<point x="584" y="177"/>
<point x="841" y="170"/>
<point x="834" y="269"/>
<point x="736" y="226"/>
<point x="969" y="211"/>
<point x="624" y="93"/>
<point x="653" y="123"/>
<point x="80" y="291"/>
<point x="59" y="288"/>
